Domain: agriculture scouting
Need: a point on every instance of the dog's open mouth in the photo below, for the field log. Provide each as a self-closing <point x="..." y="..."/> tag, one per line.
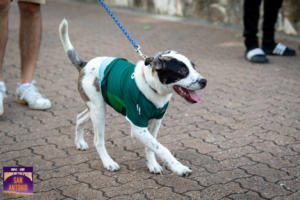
<point x="189" y="95"/>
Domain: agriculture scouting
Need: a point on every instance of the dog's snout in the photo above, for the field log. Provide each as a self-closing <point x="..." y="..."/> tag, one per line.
<point x="202" y="82"/>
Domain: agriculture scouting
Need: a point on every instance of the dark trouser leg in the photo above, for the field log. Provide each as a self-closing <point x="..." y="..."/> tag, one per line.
<point x="251" y="18"/>
<point x="271" y="9"/>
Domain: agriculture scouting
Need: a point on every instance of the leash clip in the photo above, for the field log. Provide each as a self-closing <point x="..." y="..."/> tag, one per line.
<point x="140" y="53"/>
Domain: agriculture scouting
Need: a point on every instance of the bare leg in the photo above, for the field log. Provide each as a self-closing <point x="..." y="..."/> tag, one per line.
<point x="30" y="39"/>
<point x="4" y="8"/>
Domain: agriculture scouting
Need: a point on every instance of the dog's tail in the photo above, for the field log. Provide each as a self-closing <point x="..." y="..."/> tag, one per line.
<point x="69" y="49"/>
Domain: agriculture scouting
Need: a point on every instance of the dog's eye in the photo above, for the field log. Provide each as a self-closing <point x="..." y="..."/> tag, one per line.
<point x="172" y="70"/>
<point x="183" y="71"/>
<point x="167" y="77"/>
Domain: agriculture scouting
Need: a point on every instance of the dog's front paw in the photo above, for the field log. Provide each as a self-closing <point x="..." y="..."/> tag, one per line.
<point x="81" y="145"/>
<point x="154" y="167"/>
<point x="181" y="170"/>
<point x="111" y="165"/>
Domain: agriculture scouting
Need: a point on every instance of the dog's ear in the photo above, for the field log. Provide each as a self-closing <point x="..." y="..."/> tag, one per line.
<point x="155" y="62"/>
<point x="160" y="62"/>
<point x="149" y="60"/>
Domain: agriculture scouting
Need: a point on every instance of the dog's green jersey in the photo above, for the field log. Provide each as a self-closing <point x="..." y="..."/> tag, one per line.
<point x="120" y="91"/>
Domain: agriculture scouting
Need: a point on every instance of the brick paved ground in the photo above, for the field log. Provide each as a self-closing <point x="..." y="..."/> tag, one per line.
<point x="243" y="142"/>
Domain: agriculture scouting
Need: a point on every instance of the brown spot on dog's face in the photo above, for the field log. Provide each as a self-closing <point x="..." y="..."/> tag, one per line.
<point x="80" y="88"/>
<point x="96" y="84"/>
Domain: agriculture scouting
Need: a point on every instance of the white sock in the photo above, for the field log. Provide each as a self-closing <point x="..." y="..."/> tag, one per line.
<point x="2" y="86"/>
<point x="23" y="86"/>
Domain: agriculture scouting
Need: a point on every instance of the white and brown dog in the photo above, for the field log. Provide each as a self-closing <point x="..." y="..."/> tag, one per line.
<point x="141" y="93"/>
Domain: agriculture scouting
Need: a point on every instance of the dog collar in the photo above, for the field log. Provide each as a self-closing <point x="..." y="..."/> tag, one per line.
<point x="154" y="90"/>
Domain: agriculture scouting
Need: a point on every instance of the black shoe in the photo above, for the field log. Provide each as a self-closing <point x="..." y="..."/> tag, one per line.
<point x="278" y="50"/>
<point x="256" y="55"/>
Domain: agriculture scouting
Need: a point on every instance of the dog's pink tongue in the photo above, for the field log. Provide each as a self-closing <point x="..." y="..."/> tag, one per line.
<point x="194" y="96"/>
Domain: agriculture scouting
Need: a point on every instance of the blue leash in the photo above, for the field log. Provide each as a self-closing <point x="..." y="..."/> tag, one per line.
<point x="134" y="44"/>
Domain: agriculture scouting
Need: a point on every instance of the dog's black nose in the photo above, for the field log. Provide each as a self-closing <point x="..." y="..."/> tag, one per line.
<point x="202" y="82"/>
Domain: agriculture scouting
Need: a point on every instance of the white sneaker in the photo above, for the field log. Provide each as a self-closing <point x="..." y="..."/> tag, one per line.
<point x="2" y="95"/>
<point x="28" y="93"/>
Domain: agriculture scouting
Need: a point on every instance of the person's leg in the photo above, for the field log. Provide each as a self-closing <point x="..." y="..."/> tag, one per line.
<point x="30" y="41"/>
<point x="4" y="8"/>
<point x="251" y="19"/>
<point x="30" y="38"/>
<point x="271" y="10"/>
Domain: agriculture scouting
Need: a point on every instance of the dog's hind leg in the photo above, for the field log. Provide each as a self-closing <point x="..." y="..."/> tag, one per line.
<point x="81" y="119"/>
<point x="152" y="164"/>
<point x="91" y="93"/>
<point x="98" y="118"/>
